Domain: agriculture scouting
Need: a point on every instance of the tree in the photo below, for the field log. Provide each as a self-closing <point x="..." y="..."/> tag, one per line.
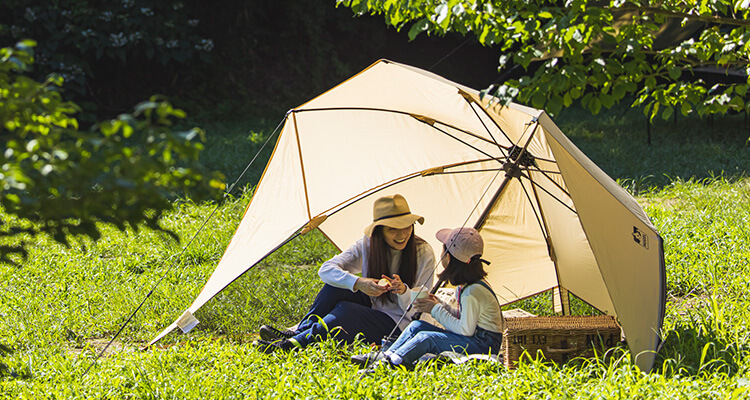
<point x="599" y="52"/>
<point x="59" y="180"/>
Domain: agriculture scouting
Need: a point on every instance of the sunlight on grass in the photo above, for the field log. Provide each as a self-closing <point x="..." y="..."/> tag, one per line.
<point x="60" y="306"/>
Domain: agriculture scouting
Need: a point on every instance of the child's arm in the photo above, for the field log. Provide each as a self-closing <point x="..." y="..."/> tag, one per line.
<point x="466" y="323"/>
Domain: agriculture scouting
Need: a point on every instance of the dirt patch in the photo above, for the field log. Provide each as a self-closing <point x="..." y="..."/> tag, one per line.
<point x="684" y="305"/>
<point x="99" y="345"/>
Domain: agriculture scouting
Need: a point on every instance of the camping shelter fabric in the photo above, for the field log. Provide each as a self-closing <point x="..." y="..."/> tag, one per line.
<point x="561" y="223"/>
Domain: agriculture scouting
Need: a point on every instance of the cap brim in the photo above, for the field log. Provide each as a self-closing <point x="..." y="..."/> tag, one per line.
<point x="399" y="222"/>
<point x="444" y="235"/>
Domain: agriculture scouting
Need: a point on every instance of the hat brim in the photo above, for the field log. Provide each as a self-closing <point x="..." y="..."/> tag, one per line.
<point x="400" y="222"/>
<point x="444" y="235"/>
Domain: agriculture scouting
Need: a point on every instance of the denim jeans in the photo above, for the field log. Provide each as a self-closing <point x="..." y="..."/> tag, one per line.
<point x="421" y="337"/>
<point x="344" y="314"/>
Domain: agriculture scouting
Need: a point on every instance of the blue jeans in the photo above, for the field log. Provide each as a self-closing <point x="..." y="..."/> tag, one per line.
<point x="344" y="314"/>
<point x="421" y="337"/>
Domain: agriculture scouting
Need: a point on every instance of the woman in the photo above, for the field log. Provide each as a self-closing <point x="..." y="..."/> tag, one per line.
<point x="390" y="259"/>
<point x="476" y="326"/>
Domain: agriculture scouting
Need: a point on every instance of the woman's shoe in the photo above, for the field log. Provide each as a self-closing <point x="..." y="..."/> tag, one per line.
<point x="367" y="359"/>
<point x="382" y="363"/>
<point x="269" y="347"/>
<point x="269" y="333"/>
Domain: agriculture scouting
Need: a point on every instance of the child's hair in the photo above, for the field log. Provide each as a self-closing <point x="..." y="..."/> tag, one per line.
<point x="461" y="273"/>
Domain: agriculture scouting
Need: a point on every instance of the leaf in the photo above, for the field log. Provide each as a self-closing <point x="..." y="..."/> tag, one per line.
<point x="595" y="105"/>
<point x="441" y="12"/>
<point x="675" y="73"/>
<point x="668" y="111"/>
<point x="554" y="104"/>
<point x="418" y="27"/>
<point x="686" y="108"/>
<point x="538" y="100"/>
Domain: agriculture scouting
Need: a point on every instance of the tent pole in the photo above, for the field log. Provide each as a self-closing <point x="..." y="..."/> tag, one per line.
<point x="560" y="296"/>
<point x="561" y="300"/>
<point x="483" y="217"/>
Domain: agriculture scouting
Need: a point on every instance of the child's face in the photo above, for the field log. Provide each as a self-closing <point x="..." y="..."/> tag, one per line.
<point x="446" y="258"/>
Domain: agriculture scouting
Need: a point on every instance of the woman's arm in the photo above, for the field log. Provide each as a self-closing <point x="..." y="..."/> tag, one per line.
<point x="340" y="270"/>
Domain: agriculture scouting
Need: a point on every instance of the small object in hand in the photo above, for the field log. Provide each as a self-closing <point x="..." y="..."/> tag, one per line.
<point x="384" y="282"/>
<point x="418" y="293"/>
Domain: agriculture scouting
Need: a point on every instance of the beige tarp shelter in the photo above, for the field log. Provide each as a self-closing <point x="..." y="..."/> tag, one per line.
<point x="550" y="218"/>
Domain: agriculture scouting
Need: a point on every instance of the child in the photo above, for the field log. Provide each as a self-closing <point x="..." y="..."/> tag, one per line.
<point x="476" y="326"/>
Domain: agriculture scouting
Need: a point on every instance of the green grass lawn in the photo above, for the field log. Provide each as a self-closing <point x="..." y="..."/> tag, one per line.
<point x="60" y="306"/>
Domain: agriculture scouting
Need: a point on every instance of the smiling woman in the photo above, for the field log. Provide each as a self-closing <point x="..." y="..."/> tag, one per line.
<point x="390" y="259"/>
<point x="397" y="238"/>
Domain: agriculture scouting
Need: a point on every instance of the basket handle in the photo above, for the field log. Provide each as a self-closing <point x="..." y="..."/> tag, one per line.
<point x="553" y="350"/>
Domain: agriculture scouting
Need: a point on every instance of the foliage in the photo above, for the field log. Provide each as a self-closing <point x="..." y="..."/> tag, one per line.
<point x="84" y="39"/>
<point x="599" y="52"/>
<point x="60" y="180"/>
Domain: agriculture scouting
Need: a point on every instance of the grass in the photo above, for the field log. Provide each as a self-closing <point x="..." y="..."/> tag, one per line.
<point x="59" y="308"/>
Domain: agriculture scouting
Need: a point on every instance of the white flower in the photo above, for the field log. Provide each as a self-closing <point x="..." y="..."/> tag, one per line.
<point x="118" y="40"/>
<point x="205" y="44"/>
<point x="30" y="14"/>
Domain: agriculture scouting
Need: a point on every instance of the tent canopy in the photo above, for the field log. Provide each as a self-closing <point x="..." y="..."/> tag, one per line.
<point x="550" y="218"/>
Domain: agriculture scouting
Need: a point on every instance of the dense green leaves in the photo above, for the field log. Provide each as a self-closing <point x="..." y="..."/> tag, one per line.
<point x="125" y="171"/>
<point x="75" y="34"/>
<point x="664" y="53"/>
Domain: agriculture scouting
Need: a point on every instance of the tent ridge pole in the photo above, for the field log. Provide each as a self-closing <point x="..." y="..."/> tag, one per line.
<point x="302" y="165"/>
<point x="470" y="102"/>
<point x="488" y="116"/>
<point x="565" y="304"/>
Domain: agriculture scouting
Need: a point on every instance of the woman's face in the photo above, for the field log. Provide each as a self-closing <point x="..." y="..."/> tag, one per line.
<point x="397" y="238"/>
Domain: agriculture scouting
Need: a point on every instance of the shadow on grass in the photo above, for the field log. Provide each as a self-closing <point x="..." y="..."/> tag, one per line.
<point x="7" y="371"/>
<point x="688" y="148"/>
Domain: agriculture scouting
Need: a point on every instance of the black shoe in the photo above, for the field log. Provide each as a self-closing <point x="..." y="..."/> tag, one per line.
<point x="382" y="363"/>
<point x="367" y="359"/>
<point x="269" y="347"/>
<point x="269" y="333"/>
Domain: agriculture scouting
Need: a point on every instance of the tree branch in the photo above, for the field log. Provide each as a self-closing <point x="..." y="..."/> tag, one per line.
<point x="676" y="14"/>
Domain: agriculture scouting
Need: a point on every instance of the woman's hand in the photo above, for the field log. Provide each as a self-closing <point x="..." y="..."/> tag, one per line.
<point x="396" y="285"/>
<point x="370" y="287"/>
<point x="426" y="304"/>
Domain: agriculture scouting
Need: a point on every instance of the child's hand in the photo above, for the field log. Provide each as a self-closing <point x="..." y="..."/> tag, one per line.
<point x="426" y="304"/>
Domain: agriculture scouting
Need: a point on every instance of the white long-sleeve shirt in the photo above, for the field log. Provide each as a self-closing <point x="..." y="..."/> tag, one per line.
<point x="478" y="307"/>
<point x="341" y="272"/>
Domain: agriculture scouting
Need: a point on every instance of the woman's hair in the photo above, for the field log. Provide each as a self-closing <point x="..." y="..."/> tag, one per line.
<point x="379" y="257"/>
<point x="461" y="273"/>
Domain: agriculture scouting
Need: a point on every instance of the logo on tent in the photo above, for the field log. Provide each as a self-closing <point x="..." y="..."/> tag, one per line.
<point x="640" y="237"/>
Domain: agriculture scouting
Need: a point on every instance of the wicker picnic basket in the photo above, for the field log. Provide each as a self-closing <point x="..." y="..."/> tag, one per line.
<point x="559" y="338"/>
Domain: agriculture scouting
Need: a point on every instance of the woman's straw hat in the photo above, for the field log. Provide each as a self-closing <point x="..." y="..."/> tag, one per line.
<point x="392" y="211"/>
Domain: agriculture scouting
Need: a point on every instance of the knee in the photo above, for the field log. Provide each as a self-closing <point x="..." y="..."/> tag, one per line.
<point x="423" y="336"/>
<point x="416" y="326"/>
<point x="328" y="290"/>
<point x="345" y="308"/>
